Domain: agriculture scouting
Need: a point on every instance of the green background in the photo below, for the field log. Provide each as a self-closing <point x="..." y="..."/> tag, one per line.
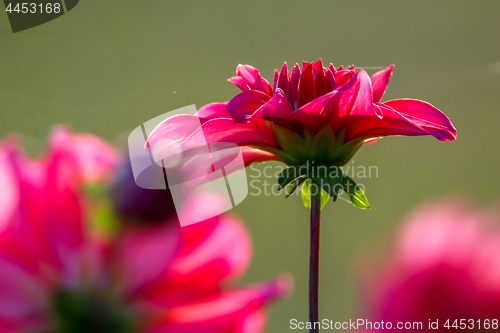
<point x="107" y="66"/>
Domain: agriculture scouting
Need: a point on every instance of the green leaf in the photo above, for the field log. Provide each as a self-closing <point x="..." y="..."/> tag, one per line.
<point x="355" y="192"/>
<point x="291" y="187"/>
<point x="291" y="173"/>
<point x="306" y="194"/>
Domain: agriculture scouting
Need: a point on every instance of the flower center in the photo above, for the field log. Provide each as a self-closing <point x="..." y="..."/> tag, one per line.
<point x="85" y="312"/>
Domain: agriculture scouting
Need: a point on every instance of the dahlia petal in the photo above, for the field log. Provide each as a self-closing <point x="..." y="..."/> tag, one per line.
<point x="380" y="80"/>
<point x="314" y="115"/>
<point x="243" y="105"/>
<point x="201" y="165"/>
<point x="208" y="253"/>
<point x="97" y="160"/>
<point x="225" y="313"/>
<point x="363" y="106"/>
<point x="47" y="225"/>
<point x="23" y="210"/>
<point x="276" y="110"/>
<point x="62" y="228"/>
<point x="355" y="103"/>
<point x="22" y="293"/>
<point x="175" y="129"/>
<point x="283" y="82"/>
<point x="294" y="86"/>
<point x="306" y="85"/>
<point x="144" y="255"/>
<point x="213" y="110"/>
<point x="252" y="133"/>
<point x="240" y="82"/>
<point x="342" y="76"/>
<point x="211" y="252"/>
<point x="396" y="123"/>
<point x="267" y="87"/>
<point x="275" y="82"/>
<point x="426" y="115"/>
<point x="9" y="193"/>
<point x="330" y="79"/>
<point x="251" y="76"/>
<point x="253" y="322"/>
<point x="251" y="155"/>
<point x="320" y="83"/>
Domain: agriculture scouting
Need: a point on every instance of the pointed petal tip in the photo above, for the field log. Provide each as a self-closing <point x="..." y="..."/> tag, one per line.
<point x="319" y="62"/>
<point x="284" y="68"/>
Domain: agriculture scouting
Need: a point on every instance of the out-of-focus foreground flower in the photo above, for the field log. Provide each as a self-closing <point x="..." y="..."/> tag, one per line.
<point x="444" y="266"/>
<point x="57" y="275"/>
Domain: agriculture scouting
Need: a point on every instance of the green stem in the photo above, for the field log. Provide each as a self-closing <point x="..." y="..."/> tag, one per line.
<point x="314" y="258"/>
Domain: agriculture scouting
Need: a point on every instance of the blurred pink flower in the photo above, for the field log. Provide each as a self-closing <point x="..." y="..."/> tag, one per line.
<point x="317" y="114"/>
<point x="96" y="159"/>
<point x="445" y="265"/>
<point x="57" y="276"/>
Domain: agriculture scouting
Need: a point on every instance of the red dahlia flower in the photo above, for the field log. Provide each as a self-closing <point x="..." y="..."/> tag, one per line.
<point x="315" y="117"/>
<point x="318" y="114"/>
<point x="58" y="276"/>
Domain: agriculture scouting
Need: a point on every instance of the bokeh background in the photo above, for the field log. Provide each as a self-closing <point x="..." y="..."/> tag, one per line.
<point x="107" y="66"/>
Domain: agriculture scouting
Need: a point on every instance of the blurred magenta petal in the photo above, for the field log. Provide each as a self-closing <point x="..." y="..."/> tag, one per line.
<point x="444" y="265"/>
<point x="138" y="248"/>
<point x="96" y="158"/>
<point x="233" y="311"/>
<point x="214" y="251"/>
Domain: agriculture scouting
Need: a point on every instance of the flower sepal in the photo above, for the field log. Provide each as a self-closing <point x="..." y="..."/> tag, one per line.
<point x="310" y="187"/>
<point x="293" y="185"/>
<point x="292" y="173"/>
<point x="331" y="186"/>
<point x="355" y="192"/>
